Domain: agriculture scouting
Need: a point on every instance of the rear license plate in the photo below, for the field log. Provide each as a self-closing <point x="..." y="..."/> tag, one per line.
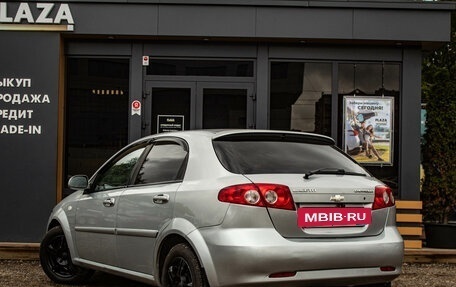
<point x="333" y="216"/>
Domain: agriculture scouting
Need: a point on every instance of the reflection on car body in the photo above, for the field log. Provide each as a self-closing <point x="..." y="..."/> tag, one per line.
<point x="227" y="208"/>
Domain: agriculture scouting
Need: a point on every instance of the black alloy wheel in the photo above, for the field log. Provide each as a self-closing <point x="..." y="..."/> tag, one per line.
<point x="56" y="261"/>
<point x="179" y="273"/>
<point x="182" y="268"/>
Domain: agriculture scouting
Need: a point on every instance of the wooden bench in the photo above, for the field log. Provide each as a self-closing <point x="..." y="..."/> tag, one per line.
<point x="410" y="222"/>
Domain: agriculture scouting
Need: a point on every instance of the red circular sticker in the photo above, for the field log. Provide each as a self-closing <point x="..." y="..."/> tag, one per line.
<point x="136" y="104"/>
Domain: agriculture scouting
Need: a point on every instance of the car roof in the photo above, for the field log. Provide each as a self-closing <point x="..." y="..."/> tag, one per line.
<point x="213" y="134"/>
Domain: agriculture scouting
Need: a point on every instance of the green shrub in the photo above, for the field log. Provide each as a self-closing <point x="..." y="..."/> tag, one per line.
<point x="439" y="146"/>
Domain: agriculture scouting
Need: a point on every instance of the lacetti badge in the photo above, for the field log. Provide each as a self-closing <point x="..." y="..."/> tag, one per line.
<point x="35" y="17"/>
<point x="363" y="191"/>
<point x="305" y="190"/>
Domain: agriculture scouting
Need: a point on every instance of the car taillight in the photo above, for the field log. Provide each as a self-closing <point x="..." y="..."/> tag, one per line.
<point x="260" y="194"/>
<point x="383" y="197"/>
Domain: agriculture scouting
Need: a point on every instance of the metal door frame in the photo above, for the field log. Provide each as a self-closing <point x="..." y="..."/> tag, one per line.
<point x="196" y="99"/>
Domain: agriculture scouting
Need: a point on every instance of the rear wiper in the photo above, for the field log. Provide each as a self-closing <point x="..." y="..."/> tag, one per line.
<point x="340" y="171"/>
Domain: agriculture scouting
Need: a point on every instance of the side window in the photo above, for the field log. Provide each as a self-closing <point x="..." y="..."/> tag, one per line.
<point x="119" y="173"/>
<point x="164" y="163"/>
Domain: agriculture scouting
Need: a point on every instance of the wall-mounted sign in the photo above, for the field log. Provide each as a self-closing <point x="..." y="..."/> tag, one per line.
<point x="136" y="108"/>
<point x="145" y="60"/>
<point x="20" y="104"/>
<point x="170" y="123"/>
<point x="368" y="129"/>
<point x="23" y="16"/>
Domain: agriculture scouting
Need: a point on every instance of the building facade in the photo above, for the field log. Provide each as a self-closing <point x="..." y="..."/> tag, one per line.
<point x="81" y="79"/>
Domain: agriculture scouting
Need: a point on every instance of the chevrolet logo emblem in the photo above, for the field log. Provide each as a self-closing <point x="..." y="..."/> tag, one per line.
<point x="337" y="198"/>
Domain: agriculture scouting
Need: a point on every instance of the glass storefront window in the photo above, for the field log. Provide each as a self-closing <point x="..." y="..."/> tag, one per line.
<point x="391" y="77"/>
<point x="96" y="112"/>
<point x="377" y="81"/>
<point x="368" y="79"/>
<point x="301" y="97"/>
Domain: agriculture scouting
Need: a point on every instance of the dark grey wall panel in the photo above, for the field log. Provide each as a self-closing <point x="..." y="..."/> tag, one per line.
<point x="115" y="19"/>
<point x="98" y="48"/>
<point x="206" y="21"/>
<point x="304" y="23"/>
<point x="401" y="25"/>
<point x="136" y="92"/>
<point x="399" y="4"/>
<point x="409" y="142"/>
<point x="313" y="22"/>
<point x="262" y="88"/>
<point x="206" y="49"/>
<point x="28" y="177"/>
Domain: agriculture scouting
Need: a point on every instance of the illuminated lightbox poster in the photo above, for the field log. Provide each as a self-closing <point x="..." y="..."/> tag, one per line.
<point x="368" y="129"/>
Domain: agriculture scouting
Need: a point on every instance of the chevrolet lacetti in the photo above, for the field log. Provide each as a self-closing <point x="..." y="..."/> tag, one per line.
<point x="227" y="208"/>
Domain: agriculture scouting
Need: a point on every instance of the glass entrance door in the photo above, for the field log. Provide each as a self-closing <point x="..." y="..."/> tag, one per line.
<point x="171" y="106"/>
<point x="225" y="105"/>
<point x="174" y="106"/>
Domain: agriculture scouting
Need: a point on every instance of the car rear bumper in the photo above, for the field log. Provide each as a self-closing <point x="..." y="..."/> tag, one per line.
<point x="248" y="256"/>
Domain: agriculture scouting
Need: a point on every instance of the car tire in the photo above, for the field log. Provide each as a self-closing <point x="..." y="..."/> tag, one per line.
<point x="182" y="268"/>
<point x="56" y="260"/>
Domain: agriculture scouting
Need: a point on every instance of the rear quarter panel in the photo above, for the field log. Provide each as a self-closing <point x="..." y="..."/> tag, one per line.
<point x="196" y="199"/>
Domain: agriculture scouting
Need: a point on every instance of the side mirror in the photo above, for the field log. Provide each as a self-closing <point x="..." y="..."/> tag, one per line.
<point x="78" y="182"/>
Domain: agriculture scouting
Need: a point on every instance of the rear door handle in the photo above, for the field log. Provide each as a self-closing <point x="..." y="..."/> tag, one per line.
<point x="161" y="198"/>
<point x="110" y="202"/>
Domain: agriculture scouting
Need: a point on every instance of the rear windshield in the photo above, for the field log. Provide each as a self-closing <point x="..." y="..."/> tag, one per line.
<point x="280" y="155"/>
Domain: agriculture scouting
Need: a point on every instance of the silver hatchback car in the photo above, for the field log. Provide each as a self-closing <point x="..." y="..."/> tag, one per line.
<point x="227" y="208"/>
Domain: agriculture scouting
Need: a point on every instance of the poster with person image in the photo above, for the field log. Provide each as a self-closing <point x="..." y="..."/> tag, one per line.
<point x="368" y="129"/>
